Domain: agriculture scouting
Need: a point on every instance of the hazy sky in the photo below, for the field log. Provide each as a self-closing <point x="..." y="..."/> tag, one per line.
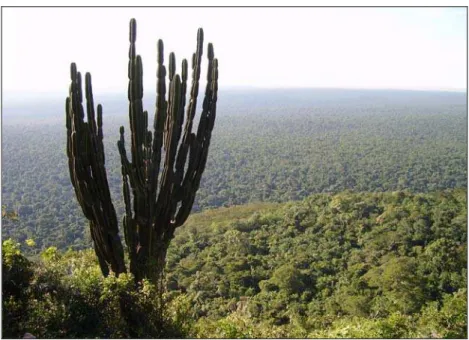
<point x="405" y="48"/>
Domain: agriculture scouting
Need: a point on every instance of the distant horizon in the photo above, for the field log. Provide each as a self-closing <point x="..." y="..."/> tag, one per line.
<point x="21" y="95"/>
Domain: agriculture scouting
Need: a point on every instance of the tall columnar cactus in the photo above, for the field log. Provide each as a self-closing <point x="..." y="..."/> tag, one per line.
<point x="85" y="153"/>
<point x="158" y="197"/>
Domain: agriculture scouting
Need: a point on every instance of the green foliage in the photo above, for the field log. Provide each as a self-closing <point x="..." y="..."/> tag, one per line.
<point x="266" y="147"/>
<point x="65" y="296"/>
<point x="344" y="265"/>
<point x="447" y="321"/>
<point x="288" y="279"/>
<point x="51" y="254"/>
<point x="233" y="326"/>
<point x="30" y="242"/>
<point x="16" y="270"/>
<point x="395" y="326"/>
<point x="17" y="273"/>
<point x="401" y="288"/>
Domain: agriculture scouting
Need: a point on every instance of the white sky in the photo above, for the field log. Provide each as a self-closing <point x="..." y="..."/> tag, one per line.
<point x="404" y="48"/>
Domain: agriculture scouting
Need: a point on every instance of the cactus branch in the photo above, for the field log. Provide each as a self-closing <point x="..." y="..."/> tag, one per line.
<point x="85" y="153"/>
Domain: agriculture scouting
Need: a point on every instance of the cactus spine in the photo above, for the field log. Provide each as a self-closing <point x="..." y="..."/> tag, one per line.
<point x="161" y="178"/>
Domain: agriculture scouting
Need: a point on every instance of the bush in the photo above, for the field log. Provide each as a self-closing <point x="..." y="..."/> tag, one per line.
<point x="448" y="321"/>
<point x="17" y="274"/>
<point x="65" y="296"/>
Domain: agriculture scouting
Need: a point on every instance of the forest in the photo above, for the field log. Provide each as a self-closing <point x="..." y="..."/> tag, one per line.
<point x="347" y="265"/>
<point x="321" y="214"/>
<point x="267" y="146"/>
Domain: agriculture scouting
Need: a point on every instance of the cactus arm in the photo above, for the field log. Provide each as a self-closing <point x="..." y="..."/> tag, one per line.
<point x="160" y="118"/>
<point x="200" y="143"/>
<point x="85" y="153"/>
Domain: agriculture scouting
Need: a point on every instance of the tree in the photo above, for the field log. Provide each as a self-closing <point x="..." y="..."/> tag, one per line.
<point x="289" y="279"/>
<point x="161" y="200"/>
<point x="400" y="285"/>
<point x="17" y="273"/>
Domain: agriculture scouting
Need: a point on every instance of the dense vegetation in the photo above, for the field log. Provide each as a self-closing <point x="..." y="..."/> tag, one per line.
<point x="66" y="296"/>
<point x="322" y="213"/>
<point x="302" y="269"/>
<point x="271" y="146"/>
<point x="346" y="265"/>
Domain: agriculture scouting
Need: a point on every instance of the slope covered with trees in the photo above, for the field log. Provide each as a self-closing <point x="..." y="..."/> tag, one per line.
<point x="390" y="265"/>
<point x="303" y="267"/>
<point x="338" y="214"/>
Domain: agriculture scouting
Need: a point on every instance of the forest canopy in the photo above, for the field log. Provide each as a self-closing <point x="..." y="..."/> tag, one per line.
<point x="272" y="146"/>
<point x="366" y="265"/>
<point x="322" y="213"/>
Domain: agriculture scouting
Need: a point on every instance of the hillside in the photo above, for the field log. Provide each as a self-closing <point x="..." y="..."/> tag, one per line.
<point x="339" y="217"/>
<point x="300" y="269"/>
<point x="344" y="265"/>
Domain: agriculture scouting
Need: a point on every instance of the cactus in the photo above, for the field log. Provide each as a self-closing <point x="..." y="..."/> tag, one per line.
<point x="158" y="197"/>
<point x="85" y="153"/>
